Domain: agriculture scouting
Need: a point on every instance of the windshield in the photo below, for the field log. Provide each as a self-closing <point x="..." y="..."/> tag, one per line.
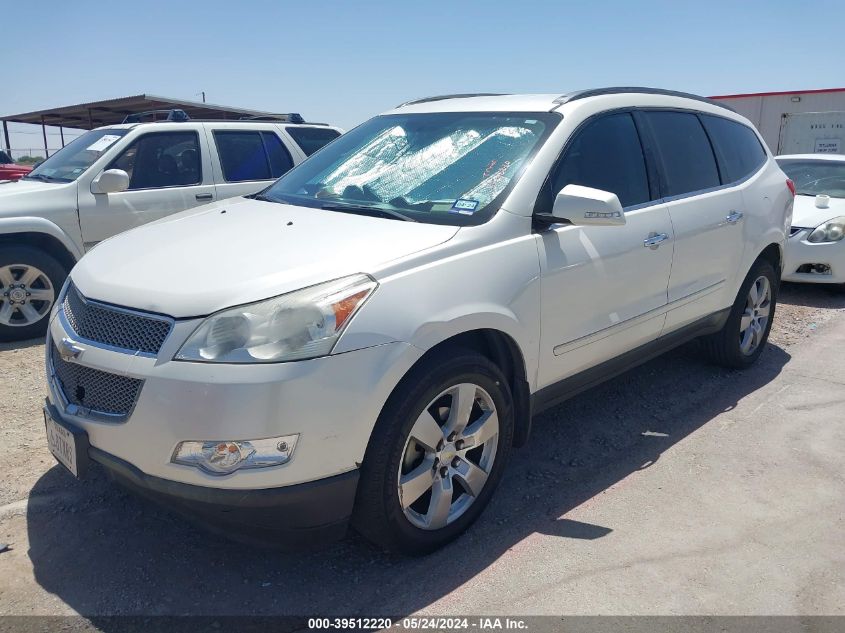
<point x="73" y="159"/>
<point x="446" y="168"/>
<point x="814" y="177"/>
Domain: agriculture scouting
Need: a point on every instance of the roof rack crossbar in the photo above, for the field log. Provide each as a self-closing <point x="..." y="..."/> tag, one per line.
<point x="172" y="115"/>
<point x="455" y="96"/>
<point x="290" y="117"/>
<point x="595" y="92"/>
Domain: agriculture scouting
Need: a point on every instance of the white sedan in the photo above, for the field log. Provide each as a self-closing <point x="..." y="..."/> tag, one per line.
<point x="815" y="251"/>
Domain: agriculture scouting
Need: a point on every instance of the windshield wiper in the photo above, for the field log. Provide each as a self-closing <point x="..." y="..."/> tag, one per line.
<point x="263" y="198"/>
<point x="364" y="210"/>
<point x="40" y="177"/>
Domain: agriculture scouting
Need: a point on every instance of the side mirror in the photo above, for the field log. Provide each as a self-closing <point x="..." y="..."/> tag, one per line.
<point x="110" y="181"/>
<point x="586" y="206"/>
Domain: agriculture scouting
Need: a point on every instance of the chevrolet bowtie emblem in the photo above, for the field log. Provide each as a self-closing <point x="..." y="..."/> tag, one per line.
<point x="69" y="350"/>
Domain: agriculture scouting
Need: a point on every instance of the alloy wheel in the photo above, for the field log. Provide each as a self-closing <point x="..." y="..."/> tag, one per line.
<point x="448" y="456"/>
<point x="26" y="295"/>
<point x="755" y="318"/>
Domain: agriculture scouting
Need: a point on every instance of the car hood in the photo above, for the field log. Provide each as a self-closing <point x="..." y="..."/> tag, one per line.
<point x="806" y="214"/>
<point x="241" y="250"/>
<point x="11" y="188"/>
<point x="20" y="198"/>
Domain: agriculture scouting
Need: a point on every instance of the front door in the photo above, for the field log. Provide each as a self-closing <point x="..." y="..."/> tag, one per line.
<point x="168" y="172"/>
<point x="603" y="287"/>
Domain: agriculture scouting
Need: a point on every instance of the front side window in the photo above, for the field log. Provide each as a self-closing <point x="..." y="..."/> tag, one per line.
<point x="161" y="159"/>
<point x="447" y="168"/>
<point x="815" y="177"/>
<point x="247" y="155"/>
<point x="737" y="147"/>
<point x="606" y="155"/>
<point x="310" y="139"/>
<point x="70" y="162"/>
<point x="686" y="155"/>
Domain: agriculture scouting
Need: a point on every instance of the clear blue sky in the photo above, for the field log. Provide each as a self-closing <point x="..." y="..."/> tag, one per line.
<point x="342" y="62"/>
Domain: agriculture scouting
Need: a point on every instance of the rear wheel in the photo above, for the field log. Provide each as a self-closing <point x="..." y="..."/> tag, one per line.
<point x="30" y="281"/>
<point x="742" y="339"/>
<point x="436" y="455"/>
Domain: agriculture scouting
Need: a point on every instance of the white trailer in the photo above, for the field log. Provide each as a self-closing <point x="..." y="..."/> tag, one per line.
<point x="812" y="133"/>
<point x="786" y="120"/>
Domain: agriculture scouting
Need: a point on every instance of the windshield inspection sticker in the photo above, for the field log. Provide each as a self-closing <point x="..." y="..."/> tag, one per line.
<point x="102" y="143"/>
<point x="464" y="207"/>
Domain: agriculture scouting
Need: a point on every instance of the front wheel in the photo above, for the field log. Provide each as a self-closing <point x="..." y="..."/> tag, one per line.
<point x="30" y="281"/>
<point x="741" y="341"/>
<point x="436" y="454"/>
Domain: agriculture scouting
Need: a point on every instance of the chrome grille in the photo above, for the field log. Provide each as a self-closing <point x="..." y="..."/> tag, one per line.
<point x="114" y="327"/>
<point x="94" y="390"/>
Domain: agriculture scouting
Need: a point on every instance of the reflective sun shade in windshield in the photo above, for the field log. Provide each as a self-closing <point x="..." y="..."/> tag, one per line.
<point x="438" y="167"/>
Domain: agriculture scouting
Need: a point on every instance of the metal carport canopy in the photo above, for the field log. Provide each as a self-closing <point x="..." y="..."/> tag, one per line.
<point x="87" y="116"/>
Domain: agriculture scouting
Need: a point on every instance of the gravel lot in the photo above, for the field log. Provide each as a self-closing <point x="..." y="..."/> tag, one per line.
<point x="630" y="498"/>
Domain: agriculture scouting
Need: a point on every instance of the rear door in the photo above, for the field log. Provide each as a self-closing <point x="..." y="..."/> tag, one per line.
<point x="706" y="217"/>
<point x="169" y="171"/>
<point x="247" y="157"/>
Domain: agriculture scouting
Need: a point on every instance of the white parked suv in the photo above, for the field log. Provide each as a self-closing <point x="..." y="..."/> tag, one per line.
<point x="118" y="177"/>
<point x="369" y="337"/>
<point x="815" y="250"/>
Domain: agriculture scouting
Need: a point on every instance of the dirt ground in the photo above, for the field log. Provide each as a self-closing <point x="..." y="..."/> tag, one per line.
<point x="727" y="499"/>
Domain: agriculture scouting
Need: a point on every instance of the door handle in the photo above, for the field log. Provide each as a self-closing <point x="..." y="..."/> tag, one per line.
<point x="205" y="196"/>
<point x="733" y="217"/>
<point x="654" y="240"/>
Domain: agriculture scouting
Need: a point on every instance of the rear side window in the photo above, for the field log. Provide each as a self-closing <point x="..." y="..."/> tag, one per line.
<point x="607" y="155"/>
<point x="246" y="155"/>
<point x="686" y="155"/>
<point x="310" y="139"/>
<point x="737" y="148"/>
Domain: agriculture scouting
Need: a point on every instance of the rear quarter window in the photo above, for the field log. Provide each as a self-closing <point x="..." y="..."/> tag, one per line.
<point x="686" y="157"/>
<point x="310" y="139"/>
<point x="737" y="148"/>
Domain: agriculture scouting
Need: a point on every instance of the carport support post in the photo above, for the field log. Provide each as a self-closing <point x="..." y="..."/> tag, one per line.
<point x="44" y="133"/>
<point x="62" y="135"/>
<point x="6" y="136"/>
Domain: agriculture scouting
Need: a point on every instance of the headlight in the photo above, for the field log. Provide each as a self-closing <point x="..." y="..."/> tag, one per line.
<point x="298" y="325"/>
<point x="831" y="231"/>
<point x="223" y="458"/>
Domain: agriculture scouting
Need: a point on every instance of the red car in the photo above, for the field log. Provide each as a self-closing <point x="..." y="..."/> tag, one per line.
<point x="9" y="170"/>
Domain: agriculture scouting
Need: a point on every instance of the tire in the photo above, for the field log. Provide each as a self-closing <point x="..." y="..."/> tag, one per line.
<point x="41" y="275"/>
<point x="416" y="527"/>
<point x="725" y="347"/>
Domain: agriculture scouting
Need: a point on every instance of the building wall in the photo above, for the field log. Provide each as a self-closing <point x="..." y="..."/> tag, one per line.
<point x="766" y="111"/>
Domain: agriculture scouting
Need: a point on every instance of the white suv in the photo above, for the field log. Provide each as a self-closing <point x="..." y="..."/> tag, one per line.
<point x="369" y="337"/>
<point x="118" y="177"/>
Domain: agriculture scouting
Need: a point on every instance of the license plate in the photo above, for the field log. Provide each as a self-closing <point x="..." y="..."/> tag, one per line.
<point x="66" y="445"/>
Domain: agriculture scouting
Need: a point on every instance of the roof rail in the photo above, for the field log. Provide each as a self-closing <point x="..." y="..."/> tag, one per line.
<point x="595" y="92"/>
<point x="291" y="117"/>
<point x="457" y="96"/>
<point x="172" y="115"/>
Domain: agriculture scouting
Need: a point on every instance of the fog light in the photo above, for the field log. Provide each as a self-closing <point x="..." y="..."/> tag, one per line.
<point x="224" y="457"/>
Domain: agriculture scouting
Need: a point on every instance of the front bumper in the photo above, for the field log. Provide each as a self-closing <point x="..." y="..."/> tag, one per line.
<point x="331" y="402"/>
<point x="290" y="516"/>
<point x="801" y="254"/>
